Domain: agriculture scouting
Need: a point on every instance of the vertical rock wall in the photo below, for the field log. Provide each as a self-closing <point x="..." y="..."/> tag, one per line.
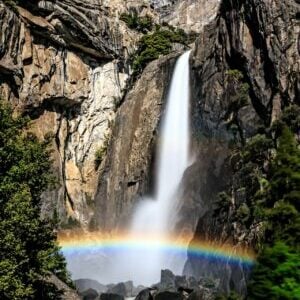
<point x="259" y="38"/>
<point x="64" y="63"/>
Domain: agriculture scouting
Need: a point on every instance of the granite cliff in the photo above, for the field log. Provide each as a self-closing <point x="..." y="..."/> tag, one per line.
<point x="65" y="64"/>
<point x="260" y="39"/>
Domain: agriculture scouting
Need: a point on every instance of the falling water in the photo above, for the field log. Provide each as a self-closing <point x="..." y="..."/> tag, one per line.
<point x="154" y="217"/>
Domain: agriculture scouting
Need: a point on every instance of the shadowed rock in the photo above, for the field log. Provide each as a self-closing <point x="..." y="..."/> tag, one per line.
<point x="169" y="296"/>
<point x="109" y="296"/>
<point x="89" y="294"/>
<point x="85" y="284"/>
<point x="145" y="295"/>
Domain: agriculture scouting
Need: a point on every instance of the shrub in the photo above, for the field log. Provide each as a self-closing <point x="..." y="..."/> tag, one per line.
<point x="152" y="45"/>
<point x="12" y="4"/>
<point x="135" y="22"/>
<point x="101" y="152"/>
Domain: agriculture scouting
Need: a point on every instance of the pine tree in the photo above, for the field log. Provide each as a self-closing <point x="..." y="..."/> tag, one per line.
<point x="277" y="272"/>
<point x="28" y="250"/>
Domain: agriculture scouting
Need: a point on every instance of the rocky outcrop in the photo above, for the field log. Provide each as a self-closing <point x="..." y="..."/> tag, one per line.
<point x="85" y="284"/>
<point x="260" y="39"/>
<point x="126" y="174"/>
<point x="190" y="15"/>
<point x="64" y="63"/>
<point x="67" y="292"/>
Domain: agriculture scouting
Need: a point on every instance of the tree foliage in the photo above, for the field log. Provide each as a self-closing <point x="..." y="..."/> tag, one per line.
<point x="277" y="272"/>
<point x="157" y="43"/>
<point x="265" y="191"/>
<point x="142" y="24"/>
<point x="28" y="248"/>
<point x="236" y="97"/>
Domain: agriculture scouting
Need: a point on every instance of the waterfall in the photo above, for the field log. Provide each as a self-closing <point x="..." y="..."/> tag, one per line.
<point x="143" y="252"/>
<point x="154" y="217"/>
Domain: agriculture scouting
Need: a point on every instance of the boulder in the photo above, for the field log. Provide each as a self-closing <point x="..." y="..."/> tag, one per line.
<point x="89" y="294"/>
<point x="137" y="290"/>
<point x="167" y="280"/>
<point x="85" y="284"/>
<point x="145" y="295"/>
<point x="181" y="281"/>
<point x="196" y="295"/>
<point x="123" y="288"/>
<point x="110" y="296"/>
<point x="169" y="296"/>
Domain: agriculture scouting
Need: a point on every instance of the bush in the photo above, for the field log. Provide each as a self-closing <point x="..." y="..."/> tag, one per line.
<point x="135" y="22"/>
<point x="12" y="4"/>
<point x="101" y="152"/>
<point x="152" y="45"/>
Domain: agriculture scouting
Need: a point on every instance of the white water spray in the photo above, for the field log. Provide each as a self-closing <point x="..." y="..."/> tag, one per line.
<point x="155" y="217"/>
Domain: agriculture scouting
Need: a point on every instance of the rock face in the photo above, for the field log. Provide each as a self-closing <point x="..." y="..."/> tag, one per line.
<point x="190" y="15"/>
<point x="124" y="289"/>
<point x="127" y="170"/>
<point x="64" y="63"/>
<point x="85" y="284"/>
<point x="260" y="39"/>
<point x="68" y="293"/>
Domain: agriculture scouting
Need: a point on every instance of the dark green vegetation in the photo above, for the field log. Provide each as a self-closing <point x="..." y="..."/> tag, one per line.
<point x="266" y="191"/>
<point x="140" y="24"/>
<point x="28" y="248"/>
<point x="157" y="43"/>
<point x="236" y="97"/>
<point x="277" y="273"/>
<point x="101" y="152"/>
<point x="157" y="39"/>
<point x="12" y="4"/>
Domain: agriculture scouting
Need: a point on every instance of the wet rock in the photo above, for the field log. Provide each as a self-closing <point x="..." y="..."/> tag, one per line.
<point x="137" y="290"/>
<point x="123" y="288"/>
<point x="109" y="296"/>
<point x="181" y="281"/>
<point x="167" y="280"/>
<point x="85" y="284"/>
<point x="168" y="296"/>
<point x="145" y="294"/>
<point x="89" y="294"/>
<point x="196" y="295"/>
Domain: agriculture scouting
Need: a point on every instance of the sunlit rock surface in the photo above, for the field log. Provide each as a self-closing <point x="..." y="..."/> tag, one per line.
<point x="65" y="64"/>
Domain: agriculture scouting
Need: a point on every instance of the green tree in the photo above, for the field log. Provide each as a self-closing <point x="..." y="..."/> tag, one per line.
<point x="157" y="43"/>
<point x="277" y="272"/>
<point x="28" y="249"/>
<point x="282" y="197"/>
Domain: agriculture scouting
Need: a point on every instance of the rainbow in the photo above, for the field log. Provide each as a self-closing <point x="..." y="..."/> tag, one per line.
<point x="81" y="243"/>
